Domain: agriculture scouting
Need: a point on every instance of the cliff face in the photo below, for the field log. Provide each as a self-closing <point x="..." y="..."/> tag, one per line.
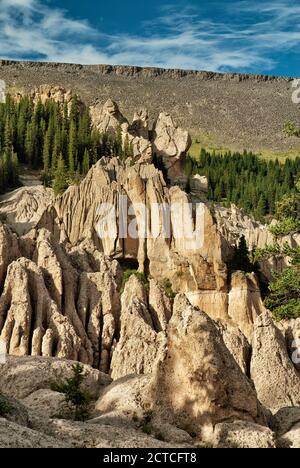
<point x="188" y="368"/>
<point x="230" y="110"/>
<point x="196" y="354"/>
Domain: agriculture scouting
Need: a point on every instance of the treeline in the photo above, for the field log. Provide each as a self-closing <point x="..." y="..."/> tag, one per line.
<point x="254" y="184"/>
<point x="54" y="138"/>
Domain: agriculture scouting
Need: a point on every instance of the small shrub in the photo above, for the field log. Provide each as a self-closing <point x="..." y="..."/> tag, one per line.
<point x="168" y="289"/>
<point x="147" y="419"/>
<point x="285" y="227"/>
<point x="5" y="406"/>
<point x="76" y="399"/>
<point x="179" y="274"/>
<point x="147" y="428"/>
<point x="160" y="436"/>
<point x="128" y="273"/>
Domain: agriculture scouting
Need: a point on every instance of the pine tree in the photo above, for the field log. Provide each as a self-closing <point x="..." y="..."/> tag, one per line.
<point x="241" y="259"/>
<point x="15" y="169"/>
<point x="60" y="177"/>
<point x="85" y="163"/>
<point x="29" y="144"/>
<point x="72" y="150"/>
<point x="47" y="152"/>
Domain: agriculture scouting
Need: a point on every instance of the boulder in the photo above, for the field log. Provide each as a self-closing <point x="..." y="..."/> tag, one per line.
<point x="127" y="398"/>
<point x="45" y="403"/>
<point x="13" y="435"/>
<point x="243" y="434"/>
<point x="22" y="376"/>
<point x="276" y="380"/>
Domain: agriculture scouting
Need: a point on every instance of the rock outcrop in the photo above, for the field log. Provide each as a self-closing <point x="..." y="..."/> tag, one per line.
<point x="276" y="380"/>
<point x="217" y="103"/>
<point x="192" y="266"/>
<point x="180" y="339"/>
<point x="23" y="208"/>
<point x="198" y="383"/>
<point x="234" y="223"/>
<point x="76" y="246"/>
<point x="171" y="143"/>
<point x="33" y="420"/>
<point x="243" y="435"/>
<point x="245" y="302"/>
<point x="23" y="376"/>
<point x="107" y="119"/>
<point x="58" y="303"/>
<point x="166" y="140"/>
<point x="140" y="346"/>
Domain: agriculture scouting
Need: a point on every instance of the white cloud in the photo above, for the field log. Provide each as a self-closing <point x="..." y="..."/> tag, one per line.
<point x="249" y="38"/>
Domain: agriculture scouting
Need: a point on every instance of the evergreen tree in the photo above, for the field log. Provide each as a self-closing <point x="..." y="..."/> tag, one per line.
<point x="15" y="170"/>
<point x="72" y="151"/>
<point x="47" y="152"/>
<point x="241" y="259"/>
<point x="60" y="177"/>
<point x="85" y="163"/>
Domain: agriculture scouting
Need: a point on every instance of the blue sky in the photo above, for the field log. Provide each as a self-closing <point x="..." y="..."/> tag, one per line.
<point x="229" y="35"/>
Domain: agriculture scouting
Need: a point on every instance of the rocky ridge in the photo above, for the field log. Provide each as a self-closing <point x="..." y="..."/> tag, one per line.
<point x="196" y="361"/>
<point x="230" y="110"/>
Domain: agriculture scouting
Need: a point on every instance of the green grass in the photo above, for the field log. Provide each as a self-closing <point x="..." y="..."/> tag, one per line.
<point x="281" y="156"/>
<point x="207" y="142"/>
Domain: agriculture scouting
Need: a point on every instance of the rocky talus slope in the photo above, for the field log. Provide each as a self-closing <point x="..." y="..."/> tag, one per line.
<point x="197" y="361"/>
<point x="229" y="110"/>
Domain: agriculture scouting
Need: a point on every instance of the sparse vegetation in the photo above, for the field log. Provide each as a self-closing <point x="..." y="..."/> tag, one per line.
<point x="77" y="400"/>
<point x="283" y="297"/>
<point x="291" y="129"/>
<point x="128" y="273"/>
<point x="168" y="289"/>
<point x="5" y="406"/>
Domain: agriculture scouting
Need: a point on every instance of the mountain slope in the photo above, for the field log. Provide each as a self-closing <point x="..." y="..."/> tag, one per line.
<point x="233" y="111"/>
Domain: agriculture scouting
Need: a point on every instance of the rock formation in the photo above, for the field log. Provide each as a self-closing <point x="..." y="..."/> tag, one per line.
<point x="166" y="140"/>
<point x="23" y="208"/>
<point x="245" y="302"/>
<point x="233" y="223"/>
<point x="171" y="143"/>
<point x="139" y="347"/>
<point x="183" y="353"/>
<point x="276" y="380"/>
<point x="198" y="382"/>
